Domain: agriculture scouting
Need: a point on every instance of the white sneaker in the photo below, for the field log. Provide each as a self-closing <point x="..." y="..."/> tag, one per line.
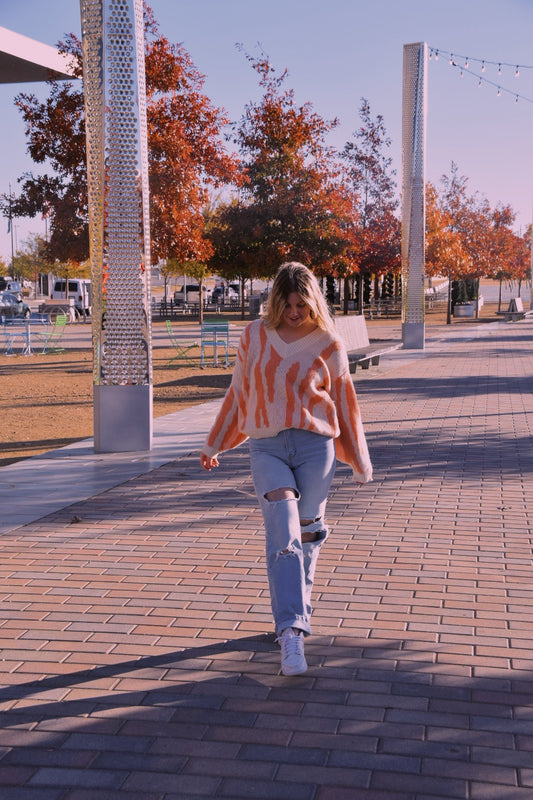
<point x="292" y="652"/>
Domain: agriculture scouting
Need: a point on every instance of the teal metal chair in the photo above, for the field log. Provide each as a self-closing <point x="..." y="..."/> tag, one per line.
<point x="215" y="335"/>
<point x="16" y="328"/>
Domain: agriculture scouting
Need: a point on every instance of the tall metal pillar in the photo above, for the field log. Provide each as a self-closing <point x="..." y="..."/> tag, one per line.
<point x="413" y="193"/>
<point x="117" y="166"/>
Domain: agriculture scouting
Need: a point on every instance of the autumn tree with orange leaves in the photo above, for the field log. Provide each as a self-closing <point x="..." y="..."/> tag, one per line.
<point x="186" y="155"/>
<point x="292" y="204"/>
<point x="466" y="239"/>
<point x="377" y="248"/>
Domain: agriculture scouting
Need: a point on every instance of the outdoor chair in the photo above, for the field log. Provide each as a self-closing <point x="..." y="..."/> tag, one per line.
<point x="182" y="348"/>
<point x="215" y="335"/>
<point x="50" y="339"/>
<point x="16" y="328"/>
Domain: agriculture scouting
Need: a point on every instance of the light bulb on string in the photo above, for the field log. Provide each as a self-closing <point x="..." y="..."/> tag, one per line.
<point x="463" y="63"/>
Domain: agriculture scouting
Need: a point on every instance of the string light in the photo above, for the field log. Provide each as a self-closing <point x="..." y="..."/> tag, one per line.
<point x="482" y="61"/>
<point x="454" y="58"/>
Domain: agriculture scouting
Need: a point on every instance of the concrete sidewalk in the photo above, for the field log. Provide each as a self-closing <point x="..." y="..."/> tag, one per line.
<point x="137" y="654"/>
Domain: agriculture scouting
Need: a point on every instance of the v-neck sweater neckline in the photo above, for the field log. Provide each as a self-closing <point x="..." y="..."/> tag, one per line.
<point x="288" y="348"/>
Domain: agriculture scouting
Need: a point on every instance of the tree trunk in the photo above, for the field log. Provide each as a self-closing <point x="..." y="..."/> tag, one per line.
<point x="241" y="284"/>
<point x="346" y="295"/>
<point x="200" y="302"/>
<point x="330" y="292"/>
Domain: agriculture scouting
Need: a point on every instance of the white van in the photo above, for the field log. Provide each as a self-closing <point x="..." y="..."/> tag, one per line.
<point x="191" y="294"/>
<point x="78" y="288"/>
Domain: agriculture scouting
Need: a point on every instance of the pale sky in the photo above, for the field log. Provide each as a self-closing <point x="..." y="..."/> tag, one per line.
<point x="336" y="52"/>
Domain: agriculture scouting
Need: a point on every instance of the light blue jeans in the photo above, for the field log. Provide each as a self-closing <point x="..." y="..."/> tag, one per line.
<point x="304" y="462"/>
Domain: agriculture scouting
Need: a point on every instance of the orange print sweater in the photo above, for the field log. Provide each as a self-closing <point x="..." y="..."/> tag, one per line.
<point x="303" y="384"/>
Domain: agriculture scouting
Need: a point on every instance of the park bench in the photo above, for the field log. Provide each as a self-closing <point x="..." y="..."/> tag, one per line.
<point x="361" y="352"/>
<point x="514" y="311"/>
<point x="59" y="308"/>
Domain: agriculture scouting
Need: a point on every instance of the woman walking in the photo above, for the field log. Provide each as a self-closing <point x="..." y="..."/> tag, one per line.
<point x="292" y="396"/>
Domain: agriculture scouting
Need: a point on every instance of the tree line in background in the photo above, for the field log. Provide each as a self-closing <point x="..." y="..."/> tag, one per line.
<point x="278" y="193"/>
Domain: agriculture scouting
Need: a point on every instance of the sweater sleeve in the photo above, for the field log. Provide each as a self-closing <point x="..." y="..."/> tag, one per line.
<point x="225" y="433"/>
<point x="351" y="447"/>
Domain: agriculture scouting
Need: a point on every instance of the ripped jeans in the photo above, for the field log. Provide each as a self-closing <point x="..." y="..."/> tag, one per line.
<point x="303" y="462"/>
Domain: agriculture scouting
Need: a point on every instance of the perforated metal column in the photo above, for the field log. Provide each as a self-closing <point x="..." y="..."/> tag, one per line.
<point x="413" y="194"/>
<point x="115" y="105"/>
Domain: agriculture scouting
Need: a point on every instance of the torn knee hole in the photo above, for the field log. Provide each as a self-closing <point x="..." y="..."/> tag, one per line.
<point x="289" y="551"/>
<point x="304" y="522"/>
<point x="312" y="529"/>
<point x="284" y="493"/>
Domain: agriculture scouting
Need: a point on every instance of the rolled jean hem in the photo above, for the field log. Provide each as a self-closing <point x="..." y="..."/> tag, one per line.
<point x="296" y="622"/>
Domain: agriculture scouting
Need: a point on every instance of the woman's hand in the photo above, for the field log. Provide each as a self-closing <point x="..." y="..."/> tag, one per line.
<point x="207" y="462"/>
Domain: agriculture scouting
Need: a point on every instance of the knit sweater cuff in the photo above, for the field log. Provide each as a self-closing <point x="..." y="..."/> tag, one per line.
<point x="209" y="451"/>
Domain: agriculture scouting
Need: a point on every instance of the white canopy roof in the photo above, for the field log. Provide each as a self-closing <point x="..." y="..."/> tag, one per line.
<point x="23" y="60"/>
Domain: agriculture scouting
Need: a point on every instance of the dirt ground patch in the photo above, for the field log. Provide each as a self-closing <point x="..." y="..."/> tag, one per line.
<point x="46" y="400"/>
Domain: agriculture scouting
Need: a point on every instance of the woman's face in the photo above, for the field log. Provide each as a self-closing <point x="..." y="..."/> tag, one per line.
<point x="296" y="312"/>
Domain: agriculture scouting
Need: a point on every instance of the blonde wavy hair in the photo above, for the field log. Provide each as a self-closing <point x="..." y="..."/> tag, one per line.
<point x="295" y="277"/>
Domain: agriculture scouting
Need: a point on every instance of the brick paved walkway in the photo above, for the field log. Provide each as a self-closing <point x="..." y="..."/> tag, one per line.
<point x="137" y="655"/>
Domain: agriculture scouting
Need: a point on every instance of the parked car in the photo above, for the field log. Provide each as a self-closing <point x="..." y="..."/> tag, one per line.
<point x="12" y="305"/>
<point x="218" y="294"/>
<point x="7" y="284"/>
<point x="237" y="289"/>
<point x="226" y="294"/>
